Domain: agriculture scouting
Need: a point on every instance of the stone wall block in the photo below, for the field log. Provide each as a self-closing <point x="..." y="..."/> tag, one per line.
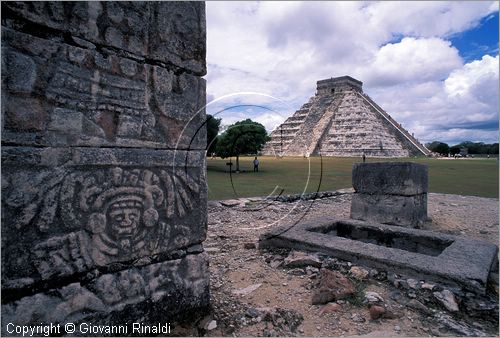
<point x="74" y="219"/>
<point x="119" y="294"/>
<point x="81" y="97"/>
<point x="390" y="192"/>
<point x="394" y="178"/>
<point x="174" y="35"/>
<point x="390" y="209"/>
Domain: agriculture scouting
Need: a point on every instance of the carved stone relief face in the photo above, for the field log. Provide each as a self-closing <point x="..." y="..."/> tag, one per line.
<point x="128" y="222"/>
<point x="116" y="214"/>
<point x="124" y="223"/>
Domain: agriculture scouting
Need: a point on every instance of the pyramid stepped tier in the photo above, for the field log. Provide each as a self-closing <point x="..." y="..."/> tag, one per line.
<point x="282" y="136"/>
<point x="403" y="134"/>
<point x="359" y="129"/>
<point x="340" y="120"/>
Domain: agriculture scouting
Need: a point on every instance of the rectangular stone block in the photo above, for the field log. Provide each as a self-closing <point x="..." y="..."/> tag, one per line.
<point x="78" y="208"/>
<point x="393" y="178"/>
<point x="390" y="209"/>
<point x="117" y="299"/>
<point x="173" y="34"/>
<point x="83" y="97"/>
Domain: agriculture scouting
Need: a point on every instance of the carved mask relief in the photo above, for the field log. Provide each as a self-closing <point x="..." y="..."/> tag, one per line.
<point x="124" y="219"/>
<point x="127" y="213"/>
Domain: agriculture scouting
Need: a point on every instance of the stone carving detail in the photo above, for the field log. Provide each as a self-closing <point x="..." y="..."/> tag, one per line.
<point x="64" y="255"/>
<point x="103" y="187"/>
<point x="113" y="292"/>
<point x="90" y="98"/>
<point x="120" y="210"/>
<point x="114" y="215"/>
<point x="34" y="197"/>
<point x="126" y="211"/>
<point x="173" y="34"/>
<point x="103" y="97"/>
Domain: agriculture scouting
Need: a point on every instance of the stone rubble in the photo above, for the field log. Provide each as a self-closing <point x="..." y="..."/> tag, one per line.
<point x="373" y="298"/>
<point x="332" y="286"/>
<point x="447" y="298"/>
<point x="291" y="289"/>
<point x="249" y="289"/>
<point x="359" y="273"/>
<point x="297" y="259"/>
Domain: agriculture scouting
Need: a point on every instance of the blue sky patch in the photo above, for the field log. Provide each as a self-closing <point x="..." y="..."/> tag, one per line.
<point x="478" y="41"/>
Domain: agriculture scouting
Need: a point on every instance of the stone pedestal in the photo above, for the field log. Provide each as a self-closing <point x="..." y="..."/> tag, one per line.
<point x="103" y="158"/>
<point x="391" y="193"/>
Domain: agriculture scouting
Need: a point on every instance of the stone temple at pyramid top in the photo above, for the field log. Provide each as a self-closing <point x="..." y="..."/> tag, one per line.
<point x="337" y="85"/>
<point x="341" y="120"/>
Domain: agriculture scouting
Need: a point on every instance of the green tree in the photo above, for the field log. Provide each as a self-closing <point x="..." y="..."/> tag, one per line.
<point x="472" y="148"/>
<point x="494" y="148"/>
<point x="243" y="137"/>
<point x="439" y="147"/>
<point x="213" y="125"/>
<point x="455" y="150"/>
<point x="475" y="148"/>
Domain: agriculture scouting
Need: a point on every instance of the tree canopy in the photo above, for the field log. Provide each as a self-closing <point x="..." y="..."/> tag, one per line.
<point x="479" y="147"/>
<point x="439" y="147"/>
<point x="213" y="125"/>
<point x="472" y="147"/>
<point x="243" y="137"/>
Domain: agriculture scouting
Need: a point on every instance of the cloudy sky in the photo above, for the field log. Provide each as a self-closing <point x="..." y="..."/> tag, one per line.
<point x="433" y="66"/>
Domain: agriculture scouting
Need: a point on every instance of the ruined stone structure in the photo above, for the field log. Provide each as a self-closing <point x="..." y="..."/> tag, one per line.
<point x="103" y="158"/>
<point x="390" y="192"/>
<point x="340" y="120"/>
<point x="420" y="254"/>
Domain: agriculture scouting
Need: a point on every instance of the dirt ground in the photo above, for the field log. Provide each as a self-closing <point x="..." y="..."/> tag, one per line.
<point x="252" y="295"/>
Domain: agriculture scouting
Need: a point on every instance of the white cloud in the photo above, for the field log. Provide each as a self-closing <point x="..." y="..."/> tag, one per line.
<point x="398" y="49"/>
<point x="467" y="80"/>
<point x="462" y="107"/>
<point x="270" y="120"/>
<point x="429" y="18"/>
<point x="412" y="60"/>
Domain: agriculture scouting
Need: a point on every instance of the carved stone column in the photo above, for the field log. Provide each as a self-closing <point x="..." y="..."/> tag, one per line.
<point x="103" y="162"/>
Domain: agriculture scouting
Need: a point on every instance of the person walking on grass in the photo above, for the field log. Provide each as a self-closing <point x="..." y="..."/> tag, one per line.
<point x="256" y="165"/>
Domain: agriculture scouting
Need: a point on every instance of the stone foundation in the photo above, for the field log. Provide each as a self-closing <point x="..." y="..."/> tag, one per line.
<point x="413" y="253"/>
<point x="390" y="192"/>
<point x="103" y="158"/>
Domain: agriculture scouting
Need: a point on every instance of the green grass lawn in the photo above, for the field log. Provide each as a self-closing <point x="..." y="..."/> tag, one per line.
<point x="291" y="175"/>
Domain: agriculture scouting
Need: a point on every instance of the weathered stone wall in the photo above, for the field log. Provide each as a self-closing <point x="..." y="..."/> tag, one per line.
<point x="390" y="192"/>
<point x="103" y="186"/>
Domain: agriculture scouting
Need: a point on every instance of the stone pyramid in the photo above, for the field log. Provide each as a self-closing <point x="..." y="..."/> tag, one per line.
<point x="340" y="120"/>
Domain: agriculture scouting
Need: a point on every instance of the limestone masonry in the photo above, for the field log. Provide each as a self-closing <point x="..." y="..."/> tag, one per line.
<point x="103" y="158"/>
<point x="390" y="192"/>
<point x="340" y="120"/>
<point x="420" y="254"/>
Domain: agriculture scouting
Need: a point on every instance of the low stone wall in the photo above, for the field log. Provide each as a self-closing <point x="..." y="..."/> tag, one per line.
<point x="390" y="192"/>
<point x="103" y="158"/>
